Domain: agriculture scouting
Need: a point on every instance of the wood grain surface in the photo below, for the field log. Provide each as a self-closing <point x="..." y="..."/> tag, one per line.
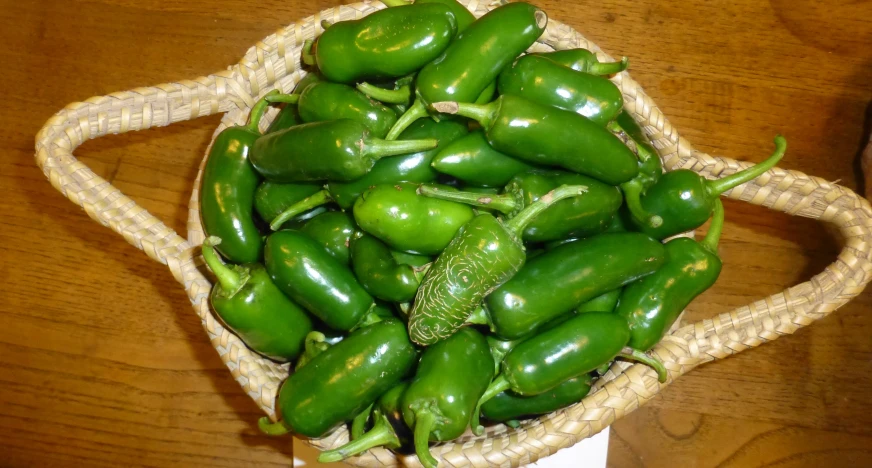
<point x="103" y="362"/>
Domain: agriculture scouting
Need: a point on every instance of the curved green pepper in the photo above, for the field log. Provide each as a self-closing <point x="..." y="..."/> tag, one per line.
<point x="605" y="302"/>
<point x="333" y="230"/>
<point x="585" y="61"/>
<point x="341" y="150"/>
<point x="438" y="405"/>
<point x="388" y="43"/>
<point x="380" y="273"/>
<point x="560" y="279"/>
<point x="344" y="380"/>
<point x="472" y="160"/>
<point x="251" y="305"/>
<point x="331" y="101"/>
<point x="288" y="116"/>
<point x="508" y="406"/>
<point x="409" y="222"/>
<point x="414" y="167"/>
<point x="546" y="82"/>
<point x="272" y="198"/>
<point x="684" y="200"/>
<point x="579" y="216"/>
<point x="482" y="256"/>
<point x="310" y="276"/>
<point x="652" y="304"/>
<point x="545" y="135"/>
<point x="227" y="190"/>
<point x="461" y="14"/>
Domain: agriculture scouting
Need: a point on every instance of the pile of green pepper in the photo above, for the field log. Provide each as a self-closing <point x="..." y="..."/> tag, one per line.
<point x="437" y="227"/>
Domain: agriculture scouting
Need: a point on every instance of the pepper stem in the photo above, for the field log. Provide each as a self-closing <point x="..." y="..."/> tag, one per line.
<point x="482" y="113"/>
<point x="306" y="54"/>
<point x="632" y="197"/>
<point x="517" y="224"/>
<point x="313" y="345"/>
<point x="370" y="318"/>
<point x="601" y="370"/>
<point x="312" y="201"/>
<point x="382" y="434"/>
<point x="258" y="110"/>
<point x="271" y="428"/>
<point x="424" y="422"/>
<point x="503" y="203"/>
<point x="376" y="148"/>
<point x="394" y="3"/>
<point x="499" y="385"/>
<point x="414" y="112"/>
<point x="609" y="68"/>
<point x="713" y="236"/>
<point x="654" y="363"/>
<point x="719" y="186"/>
<point x="390" y="96"/>
<point x="325" y="24"/>
<point x="282" y="98"/>
<point x="358" y="424"/>
<point x="227" y="278"/>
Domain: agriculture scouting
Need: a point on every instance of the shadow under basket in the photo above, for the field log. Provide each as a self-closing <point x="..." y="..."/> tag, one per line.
<point x="274" y="63"/>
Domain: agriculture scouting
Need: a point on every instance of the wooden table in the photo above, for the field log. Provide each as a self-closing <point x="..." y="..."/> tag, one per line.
<point x="103" y="362"/>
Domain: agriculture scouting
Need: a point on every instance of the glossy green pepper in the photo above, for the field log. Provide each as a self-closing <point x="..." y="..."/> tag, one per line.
<point x="508" y="406"/>
<point x="331" y="101"/>
<point x="251" y="305"/>
<point x="652" y="304"/>
<point x="451" y="377"/>
<point x="574" y="348"/>
<point x="344" y="380"/>
<point x="684" y="200"/>
<point x="545" y="135"/>
<point x="388" y="43"/>
<point x="650" y="168"/>
<point x="310" y="276"/>
<point x="333" y="230"/>
<point x="482" y="256"/>
<point x="341" y="150"/>
<point x="585" y="61"/>
<point x="414" y="167"/>
<point x="288" y="116"/>
<point x="472" y="160"/>
<point x="579" y="216"/>
<point x="409" y="222"/>
<point x="227" y="190"/>
<point x="605" y="302"/>
<point x="381" y="273"/>
<point x="560" y="279"/>
<point x="389" y="430"/>
<point x="272" y="198"/>
<point x="546" y="82"/>
<point x="461" y="14"/>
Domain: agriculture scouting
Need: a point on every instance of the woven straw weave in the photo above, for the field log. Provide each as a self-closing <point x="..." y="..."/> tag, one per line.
<point x="274" y="63"/>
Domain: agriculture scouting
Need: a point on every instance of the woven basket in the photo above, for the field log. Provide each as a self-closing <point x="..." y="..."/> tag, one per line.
<point x="275" y="63"/>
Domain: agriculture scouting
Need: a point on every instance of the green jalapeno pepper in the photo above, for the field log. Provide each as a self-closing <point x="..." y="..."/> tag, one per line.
<point x="461" y="14"/>
<point x="341" y="150"/>
<point x="545" y="135"/>
<point x="272" y="198"/>
<point x="438" y="405"/>
<point x="605" y="302"/>
<point x="585" y="61"/>
<point x="409" y="222"/>
<point x="288" y="116"/>
<point x="472" y="160"/>
<point x="684" y="200"/>
<point x="508" y="406"/>
<point x="579" y="216"/>
<point x="251" y="305"/>
<point x="389" y="430"/>
<point x="560" y="279"/>
<point x="573" y="348"/>
<point x="414" y="167"/>
<point x="316" y="280"/>
<point x="546" y="82"/>
<point x="650" y="168"/>
<point x="333" y="230"/>
<point x="331" y="101"/>
<point x="227" y="190"/>
<point x="388" y="43"/>
<point x="652" y="304"/>
<point x="381" y="273"/>
<point x="343" y="380"/>
<point x="482" y="256"/>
